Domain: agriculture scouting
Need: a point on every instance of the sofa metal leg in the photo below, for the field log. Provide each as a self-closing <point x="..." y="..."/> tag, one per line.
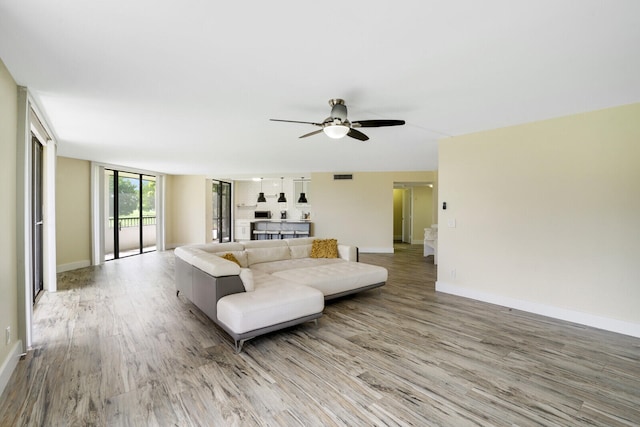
<point x="237" y="345"/>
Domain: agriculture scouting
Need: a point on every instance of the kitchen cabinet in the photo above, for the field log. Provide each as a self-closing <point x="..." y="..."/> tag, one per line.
<point x="242" y="229"/>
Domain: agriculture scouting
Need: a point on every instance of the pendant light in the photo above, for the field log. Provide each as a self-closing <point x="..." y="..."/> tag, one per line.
<point x="303" y="197"/>
<point x="282" y="199"/>
<point x="261" y="198"/>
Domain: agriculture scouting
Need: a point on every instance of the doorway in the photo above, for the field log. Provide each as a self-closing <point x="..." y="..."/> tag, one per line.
<point x="414" y="207"/>
<point x="221" y="225"/>
<point x="130" y="220"/>
<point x="35" y="215"/>
<point x="37" y="232"/>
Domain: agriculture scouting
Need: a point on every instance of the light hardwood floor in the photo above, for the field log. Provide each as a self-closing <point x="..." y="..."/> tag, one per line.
<point x="115" y="346"/>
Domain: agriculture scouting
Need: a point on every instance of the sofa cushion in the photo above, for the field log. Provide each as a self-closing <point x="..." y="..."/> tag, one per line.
<point x="324" y="248"/>
<point x="348" y="253"/>
<point x="300" y="251"/>
<point x="186" y="253"/>
<point x="299" y="241"/>
<point x="246" y="275"/>
<point x="220" y="247"/>
<point x="290" y="264"/>
<point x="214" y="265"/>
<point x="268" y="306"/>
<point x="239" y="257"/>
<point x="268" y="254"/>
<point x="264" y="243"/>
<point x="335" y="277"/>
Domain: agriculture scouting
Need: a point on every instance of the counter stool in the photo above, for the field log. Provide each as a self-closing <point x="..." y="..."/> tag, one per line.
<point x="258" y="233"/>
<point x="273" y="234"/>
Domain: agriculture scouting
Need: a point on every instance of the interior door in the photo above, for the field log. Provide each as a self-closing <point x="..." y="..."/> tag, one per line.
<point x="37" y="218"/>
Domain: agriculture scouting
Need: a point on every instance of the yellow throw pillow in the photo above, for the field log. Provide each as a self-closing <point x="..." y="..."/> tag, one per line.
<point x="324" y="248"/>
<point x="332" y="248"/>
<point x="229" y="256"/>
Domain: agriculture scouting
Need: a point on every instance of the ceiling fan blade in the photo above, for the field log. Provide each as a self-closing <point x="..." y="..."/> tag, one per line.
<point x="376" y="123"/>
<point x="295" y="121"/>
<point x="315" y="132"/>
<point x="357" y="135"/>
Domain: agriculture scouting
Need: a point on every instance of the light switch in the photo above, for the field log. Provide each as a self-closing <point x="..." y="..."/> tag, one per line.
<point x="451" y="223"/>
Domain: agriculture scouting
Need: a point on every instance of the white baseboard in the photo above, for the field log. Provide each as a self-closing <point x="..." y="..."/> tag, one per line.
<point x="600" y="322"/>
<point x="376" y="250"/>
<point x="9" y="365"/>
<point x="72" y="266"/>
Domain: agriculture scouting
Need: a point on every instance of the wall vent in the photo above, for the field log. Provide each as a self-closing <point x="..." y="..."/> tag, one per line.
<point x="342" y="176"/>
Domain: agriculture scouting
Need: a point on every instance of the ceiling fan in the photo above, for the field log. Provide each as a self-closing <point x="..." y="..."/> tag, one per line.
<point x="337" y="125"/>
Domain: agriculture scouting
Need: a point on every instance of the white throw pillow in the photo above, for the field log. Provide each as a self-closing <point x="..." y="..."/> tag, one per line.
<point x="246" y="275"/>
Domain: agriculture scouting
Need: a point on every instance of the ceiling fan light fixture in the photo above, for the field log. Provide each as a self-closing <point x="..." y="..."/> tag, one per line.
<point x="337" y="125"/>
<point x="336" y="131"/>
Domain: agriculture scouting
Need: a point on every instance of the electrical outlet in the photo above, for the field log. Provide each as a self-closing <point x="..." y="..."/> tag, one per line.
<point x="453" y="273"/>
<point x="8" y="335"/>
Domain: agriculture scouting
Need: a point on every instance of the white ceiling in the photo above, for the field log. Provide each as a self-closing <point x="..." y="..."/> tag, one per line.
<point x="188" y="87"/>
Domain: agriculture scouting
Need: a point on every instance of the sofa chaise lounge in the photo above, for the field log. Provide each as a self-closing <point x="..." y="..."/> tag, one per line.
<point x="256" y="287"/>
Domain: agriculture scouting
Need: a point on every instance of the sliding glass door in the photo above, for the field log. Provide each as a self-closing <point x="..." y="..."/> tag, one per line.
<point x="37" y="216"/>
<point x="221" y="211"/>
<point x="130" y="223"/>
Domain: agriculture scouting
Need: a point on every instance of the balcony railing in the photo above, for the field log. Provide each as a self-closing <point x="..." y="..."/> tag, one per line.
<point x="133" y="222"/>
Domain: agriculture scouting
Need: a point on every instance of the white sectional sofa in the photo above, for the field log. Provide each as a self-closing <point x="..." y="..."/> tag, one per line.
<point x="274" y="284"/>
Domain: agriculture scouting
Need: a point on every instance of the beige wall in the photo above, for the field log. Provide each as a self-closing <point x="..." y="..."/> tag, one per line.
<point x="73" y="213"/>
<point x="187" y="204"/>
<point x="187" y="198"/>
<point x="359" y="211"/>
<point x="8" y="224"/>
<point x="547" y="217"/>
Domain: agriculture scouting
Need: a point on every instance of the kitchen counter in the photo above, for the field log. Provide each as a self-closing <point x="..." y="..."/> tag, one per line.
<point x="280" y="229"/>
<point x="296" y="221"/>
